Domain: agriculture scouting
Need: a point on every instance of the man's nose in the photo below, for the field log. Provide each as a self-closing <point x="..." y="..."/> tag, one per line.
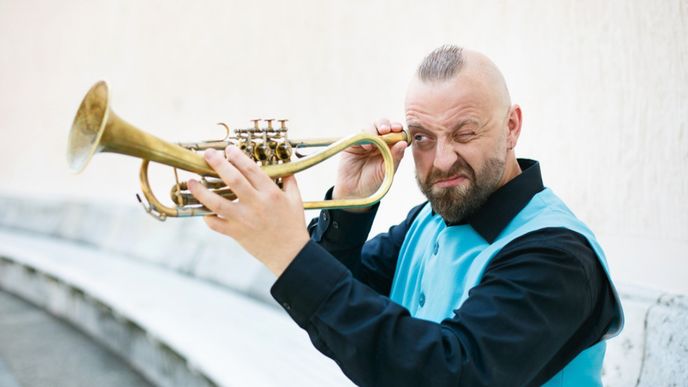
<point x="445" y="156"/>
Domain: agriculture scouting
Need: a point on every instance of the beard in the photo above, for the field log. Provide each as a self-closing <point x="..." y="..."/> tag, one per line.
<point x="455" y="204"/>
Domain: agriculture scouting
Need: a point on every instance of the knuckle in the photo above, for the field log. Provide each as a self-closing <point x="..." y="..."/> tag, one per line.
<point x="223" y="207"/>
<point x="232" y="179"/>
<point x="214" y="160"/>
<point x="214" y="226"/>
<point x="243" y="162"/>
<point x="274" y="195"/>
<point x="212" y="222"/>
<point x="250" y="166"/>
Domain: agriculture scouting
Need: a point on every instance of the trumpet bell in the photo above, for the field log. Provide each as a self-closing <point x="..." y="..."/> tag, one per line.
<point x="88" y="127"/>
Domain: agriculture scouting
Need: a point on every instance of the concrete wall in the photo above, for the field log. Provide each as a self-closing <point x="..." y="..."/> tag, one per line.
<point x="602" y="86"/>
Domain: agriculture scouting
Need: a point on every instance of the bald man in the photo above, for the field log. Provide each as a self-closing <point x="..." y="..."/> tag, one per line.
<point x="491" y="282"/>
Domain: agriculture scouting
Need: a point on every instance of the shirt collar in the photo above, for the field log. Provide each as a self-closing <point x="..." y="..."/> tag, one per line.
<point x="503" y="205"/>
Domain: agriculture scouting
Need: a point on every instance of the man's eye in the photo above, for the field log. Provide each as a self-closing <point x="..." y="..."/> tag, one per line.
<point x="419" y="138"/>
<point x="464" y="136"/>
<point x="422" y="142"/>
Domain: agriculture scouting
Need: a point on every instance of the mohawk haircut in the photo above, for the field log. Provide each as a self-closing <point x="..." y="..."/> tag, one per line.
<point x="441" y="64"/>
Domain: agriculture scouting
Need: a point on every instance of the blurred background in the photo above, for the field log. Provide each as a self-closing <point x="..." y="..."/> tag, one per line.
<point x="603" y="86"/>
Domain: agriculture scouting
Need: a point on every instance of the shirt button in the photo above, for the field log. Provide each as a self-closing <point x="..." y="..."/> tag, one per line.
<point x="286" y="305"/>
<point x="421" y="300"/>
<point x="335" y="224"/>
<point x="436" y="248"/>
<point x="325" y="216"/>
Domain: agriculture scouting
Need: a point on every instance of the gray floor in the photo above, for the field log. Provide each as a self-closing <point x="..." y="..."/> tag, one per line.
<point x="37" y="350"/>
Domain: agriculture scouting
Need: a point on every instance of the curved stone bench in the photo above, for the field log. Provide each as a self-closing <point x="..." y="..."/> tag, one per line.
<point x="184" y="306"/>
<point x="182" y="245"/>
<point x="174" y="329"/>
<point x="187" y="307"/>
<point x="652" y="350"/>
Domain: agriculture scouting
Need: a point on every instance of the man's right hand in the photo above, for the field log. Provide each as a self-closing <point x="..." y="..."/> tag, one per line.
<point x="361" y="169"/>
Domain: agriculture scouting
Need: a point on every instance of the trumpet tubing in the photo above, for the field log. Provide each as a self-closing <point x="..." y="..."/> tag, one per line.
<point x="96" y="128"/>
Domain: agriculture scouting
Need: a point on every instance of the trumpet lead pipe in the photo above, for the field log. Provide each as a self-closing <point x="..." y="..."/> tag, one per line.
<point x="187" y="199"/>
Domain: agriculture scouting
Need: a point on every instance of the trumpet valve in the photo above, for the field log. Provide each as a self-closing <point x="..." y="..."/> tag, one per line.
<point x="262" y="152"/>
<point x="248" y="147"/>
<point x="272" y="144"/>
<point x="283" y="151"/>
<point x="283" y="124"/>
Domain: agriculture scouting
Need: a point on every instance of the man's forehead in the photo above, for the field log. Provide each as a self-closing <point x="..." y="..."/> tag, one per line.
<point x="460" y="90"/>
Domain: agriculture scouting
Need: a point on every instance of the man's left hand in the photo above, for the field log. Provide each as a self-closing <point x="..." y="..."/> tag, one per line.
<point x="265" y="220"/>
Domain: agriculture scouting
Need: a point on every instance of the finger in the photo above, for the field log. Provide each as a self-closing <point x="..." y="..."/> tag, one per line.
<point x="211" y="200"/>
<point x="383" y="126"/>
<point x="249" y="168"/>
<point x="229" y="174"/>
<point x="219" y="225"/>
<point x="291" y="188"/>
<point x="367" y="147"/>
<point x="396" y="127"/>
<point x="379" y="127"/>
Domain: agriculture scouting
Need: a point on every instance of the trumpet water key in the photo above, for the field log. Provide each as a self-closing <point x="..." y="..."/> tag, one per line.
<point x="96" y="128"/>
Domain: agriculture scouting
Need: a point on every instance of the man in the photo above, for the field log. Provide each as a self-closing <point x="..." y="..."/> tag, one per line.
<point x="492" y="282"/>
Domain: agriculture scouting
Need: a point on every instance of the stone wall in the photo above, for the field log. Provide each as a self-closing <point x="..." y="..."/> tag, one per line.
<point x="602" y="85"/>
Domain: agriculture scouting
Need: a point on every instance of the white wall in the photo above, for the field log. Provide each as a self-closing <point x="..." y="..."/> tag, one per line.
<point x="603" y="86"/>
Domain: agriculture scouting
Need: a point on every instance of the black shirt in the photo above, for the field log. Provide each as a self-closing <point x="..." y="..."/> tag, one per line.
<point x="542" y="300"/>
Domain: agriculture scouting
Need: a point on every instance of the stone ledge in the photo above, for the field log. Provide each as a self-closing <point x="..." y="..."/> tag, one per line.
<point x="183" y="245"/>
<point x="150" y="357"/>
<point x="175" y="330"/>
<point x="652" y="349"/>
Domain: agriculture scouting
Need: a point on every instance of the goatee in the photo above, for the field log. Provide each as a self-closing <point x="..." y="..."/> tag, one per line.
<point x="455" y="204"/>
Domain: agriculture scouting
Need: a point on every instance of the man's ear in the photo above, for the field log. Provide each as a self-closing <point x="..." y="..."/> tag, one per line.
<point x="513" y="125"/>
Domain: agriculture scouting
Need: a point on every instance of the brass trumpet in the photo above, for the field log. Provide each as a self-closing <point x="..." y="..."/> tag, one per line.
<point x="96" y="128"/>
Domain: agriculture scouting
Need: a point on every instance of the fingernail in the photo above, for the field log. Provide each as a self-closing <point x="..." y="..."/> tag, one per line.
<point x="209" y="153"/>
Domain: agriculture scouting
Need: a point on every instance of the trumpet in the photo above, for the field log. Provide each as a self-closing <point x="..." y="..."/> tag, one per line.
<point x="96" y="128"/>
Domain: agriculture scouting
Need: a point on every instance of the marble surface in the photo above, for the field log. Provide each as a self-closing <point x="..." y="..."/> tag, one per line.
<point x="224" y="335"/>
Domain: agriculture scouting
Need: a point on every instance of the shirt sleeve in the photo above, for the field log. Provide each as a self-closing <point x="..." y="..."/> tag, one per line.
<point x="343" y="234"/>
<point x="536" y="307"/>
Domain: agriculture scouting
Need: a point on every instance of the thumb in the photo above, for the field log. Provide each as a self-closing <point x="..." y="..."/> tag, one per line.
<point x="398" y="152"/>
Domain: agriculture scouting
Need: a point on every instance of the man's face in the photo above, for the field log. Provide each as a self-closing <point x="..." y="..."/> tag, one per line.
<point x="459" y="137"/>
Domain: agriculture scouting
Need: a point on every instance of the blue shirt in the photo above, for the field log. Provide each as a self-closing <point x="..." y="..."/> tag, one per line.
<point x="542" y="287"/>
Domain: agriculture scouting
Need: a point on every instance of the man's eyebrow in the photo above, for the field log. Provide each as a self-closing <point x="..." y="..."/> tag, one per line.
<point x="465" y="122"/>
<point x="415" y="126"/>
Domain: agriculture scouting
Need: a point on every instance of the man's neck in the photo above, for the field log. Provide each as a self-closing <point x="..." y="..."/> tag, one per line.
<point x="511" y="170"/>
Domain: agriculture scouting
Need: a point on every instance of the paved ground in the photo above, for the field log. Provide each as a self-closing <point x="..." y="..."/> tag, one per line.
<point x="38" y="350"/>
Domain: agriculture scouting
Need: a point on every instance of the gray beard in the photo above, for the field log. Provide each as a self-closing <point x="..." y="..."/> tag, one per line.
<point x="457" y="203"/>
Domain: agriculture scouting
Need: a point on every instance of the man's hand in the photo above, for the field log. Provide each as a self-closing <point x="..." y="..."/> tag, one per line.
<point x="361" y="169"/>
<point x="265" y="220"/>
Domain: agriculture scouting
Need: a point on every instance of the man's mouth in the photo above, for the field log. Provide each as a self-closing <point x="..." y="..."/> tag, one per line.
<point x="448" y="182"/>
